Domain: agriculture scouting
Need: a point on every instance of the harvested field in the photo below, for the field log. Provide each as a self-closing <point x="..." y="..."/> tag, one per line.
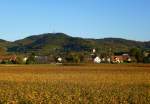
<point x="82" y="84"/>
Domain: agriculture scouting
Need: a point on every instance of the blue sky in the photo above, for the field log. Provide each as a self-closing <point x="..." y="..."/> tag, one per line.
<point x="128" y="19"/>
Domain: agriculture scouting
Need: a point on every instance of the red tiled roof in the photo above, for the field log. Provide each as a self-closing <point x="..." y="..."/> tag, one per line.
<point x="11" y="58"/>
<point x="113" y="58"/>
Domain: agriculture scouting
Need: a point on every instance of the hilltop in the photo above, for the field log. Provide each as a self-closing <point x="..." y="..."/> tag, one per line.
<point x="51" y="42"/>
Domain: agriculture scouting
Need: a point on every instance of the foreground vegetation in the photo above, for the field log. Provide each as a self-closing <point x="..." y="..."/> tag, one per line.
<point x="85" y="84"/>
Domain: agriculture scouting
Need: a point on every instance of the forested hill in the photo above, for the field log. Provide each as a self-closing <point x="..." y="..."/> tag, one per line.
<point x="52" y="42"/>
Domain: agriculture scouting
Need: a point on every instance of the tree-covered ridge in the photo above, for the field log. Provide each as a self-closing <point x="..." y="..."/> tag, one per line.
<point x="51" y="42"/>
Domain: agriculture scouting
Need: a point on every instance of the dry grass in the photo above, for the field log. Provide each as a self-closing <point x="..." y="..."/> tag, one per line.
<point x="85" y="84"/>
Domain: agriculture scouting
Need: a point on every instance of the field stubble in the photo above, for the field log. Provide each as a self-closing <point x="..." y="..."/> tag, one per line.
<point x="86" y="84"/>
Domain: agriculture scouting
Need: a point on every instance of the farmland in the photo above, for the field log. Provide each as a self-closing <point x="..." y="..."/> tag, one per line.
<point x="82" y="84"/>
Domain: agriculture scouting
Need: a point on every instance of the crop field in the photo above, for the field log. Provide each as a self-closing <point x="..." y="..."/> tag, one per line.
<point x="82" y="84"/>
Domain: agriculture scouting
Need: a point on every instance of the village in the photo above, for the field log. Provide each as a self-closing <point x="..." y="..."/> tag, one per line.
<point x="93" y="58"/>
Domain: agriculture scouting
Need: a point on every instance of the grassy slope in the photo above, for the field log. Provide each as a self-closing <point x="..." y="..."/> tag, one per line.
<point x="103" y="84"/>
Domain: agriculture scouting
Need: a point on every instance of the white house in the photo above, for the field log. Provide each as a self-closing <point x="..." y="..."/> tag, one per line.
<point x="59" y="59"/>
<point x="108" y="60"/>
<point x="97" y="60"/>
<point x="94" y="50"/>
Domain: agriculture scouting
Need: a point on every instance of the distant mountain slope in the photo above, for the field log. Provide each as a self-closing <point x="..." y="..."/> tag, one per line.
<point x="3" y="46"/>
<point x="50" y="42"/>
<point x="4" y="43"/>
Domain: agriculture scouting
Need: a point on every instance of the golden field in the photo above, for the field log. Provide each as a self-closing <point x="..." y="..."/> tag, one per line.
<point x="82" y="84"/>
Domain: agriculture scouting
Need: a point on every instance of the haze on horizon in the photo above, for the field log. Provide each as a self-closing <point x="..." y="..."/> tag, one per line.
<point x="127" y="19"/>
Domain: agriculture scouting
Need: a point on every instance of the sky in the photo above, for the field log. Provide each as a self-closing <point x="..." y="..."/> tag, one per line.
<point x="129" y="19"/>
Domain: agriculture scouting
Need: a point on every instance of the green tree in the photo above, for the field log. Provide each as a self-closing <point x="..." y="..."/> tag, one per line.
<point x="147" y="59"/>
<point x="19" y="60"/>
<point x="31" y="59"/>
<point x="137" y="54"/>
<point x="74" y="57"/>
